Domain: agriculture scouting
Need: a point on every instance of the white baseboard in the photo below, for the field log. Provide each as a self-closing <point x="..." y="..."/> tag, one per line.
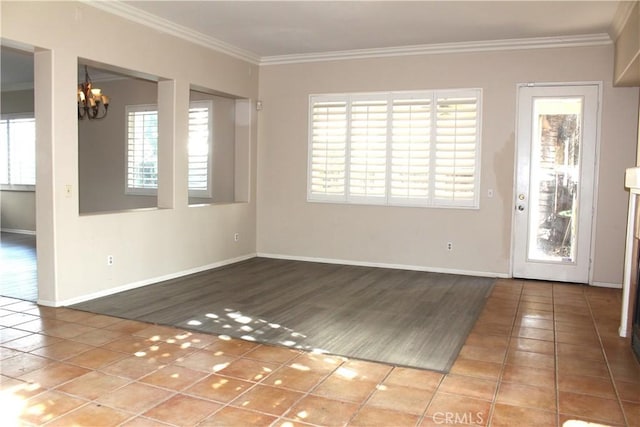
<point x="607" y="285"/>
<point x="386" y="265"/>
<point x="18" y="231"/>
<point x="144" y="282"/>
<point x="48" y="303"/>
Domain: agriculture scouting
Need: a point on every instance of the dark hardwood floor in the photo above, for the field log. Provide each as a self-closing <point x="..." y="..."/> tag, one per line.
<point x="405" y="318"/>
<point x="18" y="269"/>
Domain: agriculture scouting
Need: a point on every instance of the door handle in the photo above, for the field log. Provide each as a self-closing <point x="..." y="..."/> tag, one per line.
<point x="520" y="208"/>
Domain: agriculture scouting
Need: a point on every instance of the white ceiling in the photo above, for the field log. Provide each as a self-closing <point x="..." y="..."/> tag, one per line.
<point x="265" y="31"/>
<point x="275" y="28"/>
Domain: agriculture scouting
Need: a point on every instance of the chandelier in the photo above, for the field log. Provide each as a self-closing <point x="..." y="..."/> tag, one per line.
<point x="92" y="104"/>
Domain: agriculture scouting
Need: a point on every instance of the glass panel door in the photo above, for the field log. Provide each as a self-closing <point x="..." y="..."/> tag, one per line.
<point x="555" y="177"/>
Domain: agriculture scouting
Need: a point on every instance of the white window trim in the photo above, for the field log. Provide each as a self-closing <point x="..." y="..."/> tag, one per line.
<point x="389" y="200"/>
<point x="19" y="187"/>
<point x="154" y="191"/>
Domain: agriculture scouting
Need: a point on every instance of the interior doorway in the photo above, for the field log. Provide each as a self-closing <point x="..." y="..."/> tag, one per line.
<point x="18" y="260"/>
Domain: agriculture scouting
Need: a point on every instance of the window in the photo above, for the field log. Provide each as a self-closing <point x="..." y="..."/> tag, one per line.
<point x="18" y="152"/>
<point x="142" y="149"/>
<point x="396" y="148"/>
<point x="200" y="133"/>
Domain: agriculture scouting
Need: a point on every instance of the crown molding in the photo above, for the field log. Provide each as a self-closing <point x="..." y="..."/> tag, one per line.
<point x="123" y="10"/>
<point x="131" y="13"/>
<point x="443" y="48"/>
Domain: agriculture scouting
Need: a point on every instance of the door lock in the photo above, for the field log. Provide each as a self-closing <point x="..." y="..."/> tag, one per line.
<point x="520" y="208"/>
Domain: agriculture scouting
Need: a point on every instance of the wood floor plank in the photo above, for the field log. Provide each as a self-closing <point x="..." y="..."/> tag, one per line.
<point x="405" y="318"/>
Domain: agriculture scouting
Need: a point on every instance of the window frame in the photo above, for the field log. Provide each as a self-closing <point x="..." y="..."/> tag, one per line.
<point x="20" y="187"/>
<point x="148" y="191"/>
<point x="431" y="200"/>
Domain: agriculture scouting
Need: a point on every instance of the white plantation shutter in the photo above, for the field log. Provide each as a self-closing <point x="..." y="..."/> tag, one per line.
<point x="410" y="150"/>
<point x="200" y="134"/>
<point x="368" y="149"/>
<point x="396" y="148"/>
<point x="327" y="150"/>
<point x="456" y="146"/>
<point x="18" y="151"/>
<point x="142" y="149"/>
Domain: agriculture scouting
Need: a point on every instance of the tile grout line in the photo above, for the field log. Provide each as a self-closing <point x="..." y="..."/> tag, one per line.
<point x="100" y="371"/>
<point x="506" y="355"/>
<point x="184" y="392"/>
<point x="307" y="393"/>
<point x="606" y="360"/>
<point x="593" y="324"/>
<point x="556" y="355"/>
<point x="422" y="417"/>
<point x="181" y="392"/>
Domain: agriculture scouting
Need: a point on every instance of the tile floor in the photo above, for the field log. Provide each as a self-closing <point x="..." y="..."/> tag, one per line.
<point x="541" y="354"/>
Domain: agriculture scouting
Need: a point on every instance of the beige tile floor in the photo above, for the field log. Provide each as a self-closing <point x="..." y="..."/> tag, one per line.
<point x="541" y="354"/>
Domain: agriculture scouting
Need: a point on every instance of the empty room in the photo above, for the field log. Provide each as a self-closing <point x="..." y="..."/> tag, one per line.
<point x="319" y="213"/>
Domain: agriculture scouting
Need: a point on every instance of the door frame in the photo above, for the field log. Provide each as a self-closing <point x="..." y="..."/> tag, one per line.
<point x="596" y="166"/>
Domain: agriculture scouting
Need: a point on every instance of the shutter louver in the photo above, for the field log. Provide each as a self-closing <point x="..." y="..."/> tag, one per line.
<point x="142" y="149"/>
<point x="199" y="137"/>
<point x="368" y="149"/>
<point x="410" y="145"/>
<point x="456" y="147"/>
<point x="328" y="149"/>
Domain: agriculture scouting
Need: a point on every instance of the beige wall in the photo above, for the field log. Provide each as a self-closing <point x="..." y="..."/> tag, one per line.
<point x="17" y="208"/>
<point x="148" y="244"/>
<point x="18" y="211"/>
<point x="416" y="237"/>
<point x="16" y="101"/>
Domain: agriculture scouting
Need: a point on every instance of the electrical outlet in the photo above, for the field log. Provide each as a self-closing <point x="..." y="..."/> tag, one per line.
<point x="109" y="260"/>
<point x="236" y="237"/>
<point x="449" y="246"/>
